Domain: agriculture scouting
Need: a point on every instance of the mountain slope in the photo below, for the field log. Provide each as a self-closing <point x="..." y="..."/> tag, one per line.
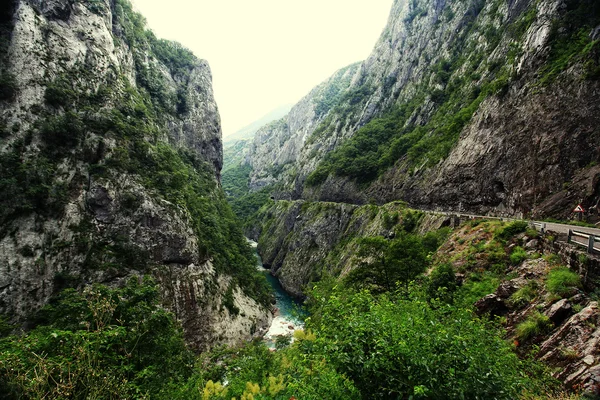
<point x="256" y="168"/>
<point x="247" y="132"/>
<point x="109" y="168"/>
<point x="482" y="106"/>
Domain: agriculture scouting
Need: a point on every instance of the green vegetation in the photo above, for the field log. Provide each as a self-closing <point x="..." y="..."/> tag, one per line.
<point x="393" y="347"/>
<point x="562" y="281"/>
<point x="119" y="343"/>
<point x="177" y="58"/>
<point x="235" y="181"/>
<point x="387" y="262"/>
<point x="512" y="229"/>
<point x="518" y="255"/>
<point x="8" y="85"/>
<point x="393" y="137"/>
<point x="442" y="283"/>
<point x="534" y="325"/>
<point x="334" y="91"/>
<point x="101" y="343"/>
<point x="525" y="294"/>
<point x="478" y="286"/>
<point x="571" y="42"/>
<point x="26" y="185"/>
<point x="247" y="206"/>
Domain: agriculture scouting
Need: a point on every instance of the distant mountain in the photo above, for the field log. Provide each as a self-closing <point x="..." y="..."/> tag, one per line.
<point x="248" y="131"/>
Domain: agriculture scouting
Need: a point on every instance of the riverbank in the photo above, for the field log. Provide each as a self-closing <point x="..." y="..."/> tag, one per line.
<point x="288" y="313"/>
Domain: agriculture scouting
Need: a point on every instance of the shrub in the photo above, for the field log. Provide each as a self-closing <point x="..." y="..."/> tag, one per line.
<point x="512" y="229"/>
<point x="395" y="348"/>
<point x="387" y="262"/>
<point x="434" y="239"/>
<point x="442" y="283"/>
<point x="534" y="325"/>
<point x="60" y="93"/>
<point x="97" y="343"/>
<point x="62" y="133"/>
<point x="476" y="287"/>
<point x="561" y="281"/>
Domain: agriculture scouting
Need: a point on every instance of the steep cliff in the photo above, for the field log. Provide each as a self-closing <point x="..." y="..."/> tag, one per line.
<point x="301" y="242"/>
<point x="276" y="147"/>
<point x="481" y="106"/>
<point x="110" y="155"/>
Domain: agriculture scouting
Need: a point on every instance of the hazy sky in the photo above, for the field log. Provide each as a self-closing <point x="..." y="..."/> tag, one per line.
<point x="267" y="53"/>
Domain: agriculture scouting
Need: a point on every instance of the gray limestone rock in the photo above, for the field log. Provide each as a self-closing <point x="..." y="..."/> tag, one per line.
<point x="106" y="227"/>
<point x="100" y="203"/>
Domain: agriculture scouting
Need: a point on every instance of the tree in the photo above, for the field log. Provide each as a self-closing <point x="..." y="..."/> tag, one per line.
<point x="385" y="262"/>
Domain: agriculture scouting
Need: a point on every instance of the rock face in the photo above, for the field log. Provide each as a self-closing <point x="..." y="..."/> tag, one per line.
<point x="302" y="241"/>
<point x="276" y="148"/>
<point x="466" y="105"/>
<point x="103" y="128"/>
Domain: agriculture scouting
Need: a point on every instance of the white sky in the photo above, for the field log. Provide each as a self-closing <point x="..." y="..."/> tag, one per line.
<point x="267" y="53"/>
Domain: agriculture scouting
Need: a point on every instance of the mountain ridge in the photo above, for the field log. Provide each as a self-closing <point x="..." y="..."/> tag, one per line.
<point x="446" y="83"/>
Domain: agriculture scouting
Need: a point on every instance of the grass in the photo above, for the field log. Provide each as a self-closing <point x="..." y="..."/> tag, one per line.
<point x="525" y="294"/>
<point x="534" y="325"/>
<point x="477" y="287"/>
<point x="518" y="255"/>
<point x="561" y="281"/>
<point x="512" y="229"/>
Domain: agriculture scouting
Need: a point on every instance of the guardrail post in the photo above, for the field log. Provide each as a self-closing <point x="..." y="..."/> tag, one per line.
<point x="591" y="244"/>
<point x="569" y="236"/>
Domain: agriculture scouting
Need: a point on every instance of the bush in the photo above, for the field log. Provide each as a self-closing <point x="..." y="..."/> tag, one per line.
<point x="562" y="281"/>
<point x="113" y="343"/>
<point x="442" y="283"/>
<point x="62" y="133"/>
<point x="396" y="348"/>
<point x="388" y="262"/>
<point x="434" y="239"/>
<point x="512" y="229"/>
<point x="534" y="325"/>
<point x="60" y="93"/>
<point x="476" y="287"/>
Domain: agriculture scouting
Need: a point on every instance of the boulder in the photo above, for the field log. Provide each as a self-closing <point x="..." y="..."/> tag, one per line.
<point x="492" y="305"/>
<point x="559" y="311"/>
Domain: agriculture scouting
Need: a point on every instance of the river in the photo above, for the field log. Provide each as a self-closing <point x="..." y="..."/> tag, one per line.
<point x="289" y="315"/>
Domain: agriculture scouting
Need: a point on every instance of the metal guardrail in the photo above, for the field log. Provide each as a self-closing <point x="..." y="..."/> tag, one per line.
<point x="591" y="242"/>
<point x="540" y="226"/>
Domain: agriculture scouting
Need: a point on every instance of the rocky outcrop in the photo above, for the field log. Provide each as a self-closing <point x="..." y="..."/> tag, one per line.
<point x="569" y="340"/>
<point x="110" y="155"/>
<point x="473" y="109"/>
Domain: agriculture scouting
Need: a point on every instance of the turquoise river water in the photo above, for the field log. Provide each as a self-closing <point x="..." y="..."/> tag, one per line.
<point x="290" y="314"/>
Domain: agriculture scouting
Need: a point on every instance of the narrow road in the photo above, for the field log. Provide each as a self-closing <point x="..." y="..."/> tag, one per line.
<point x="564" y="228"/>
<point x="550" y="226"/>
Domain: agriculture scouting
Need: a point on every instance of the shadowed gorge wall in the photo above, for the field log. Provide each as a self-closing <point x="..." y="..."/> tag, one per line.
<point x="110" y="156"/>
